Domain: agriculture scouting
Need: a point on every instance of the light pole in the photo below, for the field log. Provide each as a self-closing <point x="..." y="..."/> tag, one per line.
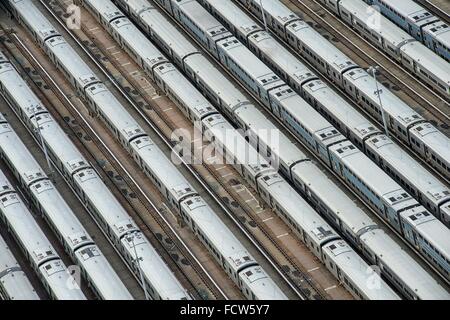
<point x="136" y="261"/>
<point x="263" y="15"/>
<point x="373" y="71"/>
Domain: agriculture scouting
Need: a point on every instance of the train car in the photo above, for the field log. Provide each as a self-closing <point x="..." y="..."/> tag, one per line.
<point x="429" y="236"/>
<point x="44" y="259"/>
<point x="348" y="268"/>
<point x="399" y="116"/>
<point x="227" y="250"/>
<point x="432" y="145"/>
<point x="407" y="14"/>
<point x="305" y="122"/>
<point x="427" y="66"/>
<point x="400" y="268"/>
<point x="155" y="24"/>
<point x="436" y="36"/>
<point x="340" y="113"/>
<point x="14" y="284"/>
<point x="410" y="175"/>
<point x="380" y="191"/>
<point x="278" y="21"/>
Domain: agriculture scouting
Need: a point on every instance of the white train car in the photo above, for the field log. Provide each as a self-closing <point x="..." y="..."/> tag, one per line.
<point x="44" y="260"/>
<point x="400" y="268"/>
<point x="432" y="193"/>
<point x="348" y="268"/>
<point x="427" y="66"/>
<point x="14" y="284"/>
<point x="428" y="235"/>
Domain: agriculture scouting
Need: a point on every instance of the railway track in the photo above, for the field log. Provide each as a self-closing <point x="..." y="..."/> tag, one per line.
<point x="285" y="263"/>
<point x="305" y="148"/>
<point x="143" y="205"/>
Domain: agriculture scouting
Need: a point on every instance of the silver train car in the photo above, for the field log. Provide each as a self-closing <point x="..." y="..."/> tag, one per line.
<point x="44" y="260"/>
<point x="356" y="82"/>
<point x="126" y="129"/>
<point x="406" y="50"/>
<point x="250" y="165"/>
<point x="345" y="215"/>
<point x="97" y="271"/>
<point x="14" y="284"/>
<point x="101" y="204"/>
<point x="418" y="22"/>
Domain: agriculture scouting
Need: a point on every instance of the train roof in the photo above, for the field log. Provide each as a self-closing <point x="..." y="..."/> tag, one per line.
<point x="286" y="61"/>
<point x="428" y="60"/>
<point x="262" y="286"/>
<point x="410" y="10"/>
<point x="297" y="208"/>
<point x="162" y="167"/>
<point x="234" y="16"/>
<point x="71" y="61"/>
<point x="306" y="115"/>
<point x="392" y="105"/>
<point x="398" y="261"/>
<point x="440" y="31"/>
<point x="35" y="19"/>
<point x="266" y="131"/>
<point x="218" y="84"/>
<point x="184" y="90"/>
<point x="106" y="9"/>
<point x="216" y="232"/>
<point x="137" y="42"/>
<point x="61" y="215"/>
<point x="278" y="11"/>
<point x="153" y="267"/>
<point x="248" y="62"/>
<point x="434" y="139"/>
<point x="105" y="203"/>
<point x="321" y="46"/>
<point x="431" y="229"/>
<point x="203" y="19"/>
<point x="326" y="189"/>
<point x="58" y="279"/>
<point x="361" y="166"/>
<point x="409" y="168"/>
<point x="168" y="33"/>
<point x="107" y="282"/>
<point x="341" y="109"/>
<point x="114" y="111"/>
<point x="390" y="32"/>
<point x="358" y="271"/>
